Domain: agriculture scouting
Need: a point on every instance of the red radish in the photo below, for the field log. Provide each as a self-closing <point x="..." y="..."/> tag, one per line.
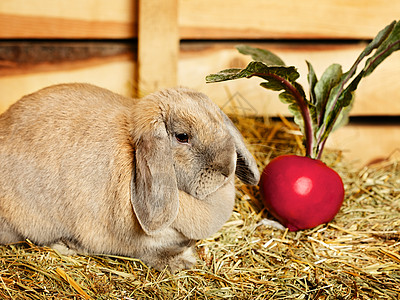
<point x="301" y="192"/>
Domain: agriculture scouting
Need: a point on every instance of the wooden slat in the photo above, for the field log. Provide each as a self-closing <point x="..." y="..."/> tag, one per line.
<point x="205" y="19"/>
<point x="89" y="10"/>
<point x="30" y="57"/>
<point x="114" y="73"/>
<point x="158" y="45"/>
<point x="15" y="26"/>
<point x="28" y="66"/>
<point x="377" y="94"/>
<point x="363" y="144"/>
<point x="68" y="19"/>
<point x="307" y="19"/>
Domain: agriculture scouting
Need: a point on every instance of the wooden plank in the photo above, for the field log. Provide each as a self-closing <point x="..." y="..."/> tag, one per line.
<point x="28" y="66"/>
<point x="359" y="143"/>
<point x="364" y="144"/>
<point x="89" y="10"/>
<point x="113" y="73"/>
<point x="68" y="19"/>
<point x="205" y="19"/>
<point x="377" y="94"/>
<point x="158" y="45"/>
<point x="271" y="19"/>
<point x="14" y="26"/>
<point x="24" y="57"/>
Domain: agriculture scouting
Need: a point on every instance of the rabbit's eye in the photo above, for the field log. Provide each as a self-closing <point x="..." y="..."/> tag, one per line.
<point x="182" y="138"/>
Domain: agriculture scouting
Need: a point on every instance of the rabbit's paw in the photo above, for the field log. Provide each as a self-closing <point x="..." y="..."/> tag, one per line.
<point x="62" y="248"/>
<point x="184" y="260"/>
<point x="172" y="262"/>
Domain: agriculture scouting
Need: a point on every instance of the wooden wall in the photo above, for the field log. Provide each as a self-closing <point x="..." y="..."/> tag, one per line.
<point x="137" y="46"/>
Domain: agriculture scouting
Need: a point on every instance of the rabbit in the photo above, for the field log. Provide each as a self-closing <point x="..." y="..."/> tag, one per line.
<point x="85" y="170"/>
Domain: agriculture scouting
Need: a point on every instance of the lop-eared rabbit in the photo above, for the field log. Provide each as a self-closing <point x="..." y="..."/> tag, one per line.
<point x="86" y="170"/>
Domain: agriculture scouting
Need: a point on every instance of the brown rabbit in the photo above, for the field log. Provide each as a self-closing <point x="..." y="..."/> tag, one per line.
<point x="87" y="170"/>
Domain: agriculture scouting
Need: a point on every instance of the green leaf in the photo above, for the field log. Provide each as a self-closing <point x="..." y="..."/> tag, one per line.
<point x="277" y="78"/>
<point x="223" y="75"/>
<point x="331" y="113"/>
<point x="300" y="90"/>
<point x="343" y="118"/>
<point x="337" y="113"/>
<point x="294" y="109"/>
<point x="331" y="97"/>
<point x="387" y="47"/>
<point x="287" y="98"/>
<point x="282" y="79"/>
<point x="262" y="55"/>
<point x="260" y="69"/>
<point x="376" y="42"/>
<point x="346" y="96"/>
<point x="329" y="79"/>
<point x="341" y="97"/>
<point x="312" y="81"/>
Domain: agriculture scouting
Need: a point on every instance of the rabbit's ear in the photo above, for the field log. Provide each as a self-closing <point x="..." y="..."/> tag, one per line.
<point x="246" y="166"/>
<point x="154" y="191"/>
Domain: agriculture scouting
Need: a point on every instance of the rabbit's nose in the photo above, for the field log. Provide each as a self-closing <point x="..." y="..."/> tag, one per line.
<point x="223" y="160"/>
<point x="225" y="169"/>
<point x="225" y="166"/>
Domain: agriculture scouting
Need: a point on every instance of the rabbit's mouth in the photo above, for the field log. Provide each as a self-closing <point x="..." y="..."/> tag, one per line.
<point x="209" y="184"/>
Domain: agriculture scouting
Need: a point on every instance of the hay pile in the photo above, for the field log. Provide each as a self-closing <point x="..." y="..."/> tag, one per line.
<point x="356" y="256"/>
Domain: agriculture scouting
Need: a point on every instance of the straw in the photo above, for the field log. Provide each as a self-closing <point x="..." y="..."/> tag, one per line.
<point x="356" y="256"/>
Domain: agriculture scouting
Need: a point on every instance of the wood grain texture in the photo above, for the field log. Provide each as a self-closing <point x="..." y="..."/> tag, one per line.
<point x="158" y="45"/>
<point x="205" y="19"/>
<point x="68" y="19"/>
<point x="271" y="19"/>
<point x="15" y="26"/>
<point x="89" y="10"/>
<point x="114" y="73"/>
<point x="30" y="57"/>
<point x="378" y="94"/>
<point x="364" y="144"/>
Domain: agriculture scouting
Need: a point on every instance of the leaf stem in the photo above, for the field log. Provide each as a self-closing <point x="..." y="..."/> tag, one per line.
<point x="320" y="149"/>
<point x="381" y="54"/>
<point x="349" y="75"/>
<point x="304" y="110"/>
<point x="323" y="125"/>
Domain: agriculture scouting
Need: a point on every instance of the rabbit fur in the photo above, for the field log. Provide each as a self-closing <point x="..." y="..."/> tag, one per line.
<point x="86" y="170"/>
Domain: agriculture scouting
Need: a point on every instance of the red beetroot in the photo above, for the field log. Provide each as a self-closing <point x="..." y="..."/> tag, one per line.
<point x="301" y="192"/>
